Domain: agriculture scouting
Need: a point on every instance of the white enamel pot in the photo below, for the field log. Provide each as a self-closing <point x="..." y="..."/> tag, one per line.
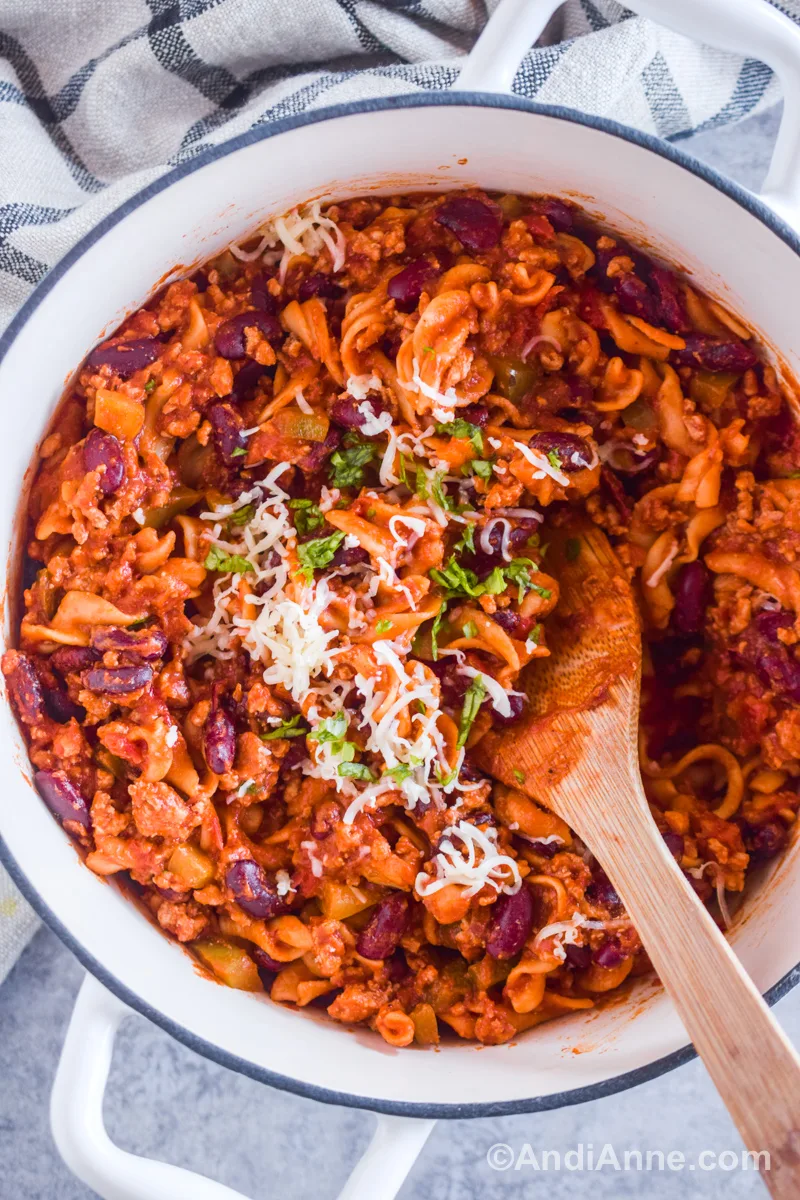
<point x="733" y="244"/>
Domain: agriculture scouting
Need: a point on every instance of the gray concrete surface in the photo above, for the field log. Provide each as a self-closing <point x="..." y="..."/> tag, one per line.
<point x="167" y="1102"/>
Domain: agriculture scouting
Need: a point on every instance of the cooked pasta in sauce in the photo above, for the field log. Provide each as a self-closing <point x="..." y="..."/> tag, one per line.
<point x="287" y="561"/>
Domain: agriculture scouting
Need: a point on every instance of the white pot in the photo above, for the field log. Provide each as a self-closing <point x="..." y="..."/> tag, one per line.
<point x="731" y="244"/>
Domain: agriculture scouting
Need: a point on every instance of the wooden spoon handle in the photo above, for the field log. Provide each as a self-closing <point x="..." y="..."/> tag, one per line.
<point x="753" y="1065"/>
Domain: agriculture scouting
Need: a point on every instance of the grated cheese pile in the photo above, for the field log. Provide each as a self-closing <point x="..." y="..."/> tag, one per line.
<point x="474" y="864"/>
<point x="302" y="231"/>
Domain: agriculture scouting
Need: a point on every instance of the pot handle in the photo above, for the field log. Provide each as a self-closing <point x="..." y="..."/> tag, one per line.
<point x="754" y="28"/>
<point x="76" y="1120"/>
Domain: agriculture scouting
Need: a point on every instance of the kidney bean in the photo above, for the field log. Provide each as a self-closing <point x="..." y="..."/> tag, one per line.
<point x="247" y="378"/>
<point x="261" y="297"/>
<point x="674" y="843"/>
<point x="147" y="643"/>
<point x="763" y="842"/>
<point x="692" y="593"/>
<point x="382" y="932"/>
<point x="714" y="354"/>
<point x="267" y="967"/>
<point x="230" y="337"/>
<point x="546" y="849"/>
<point x="769" y="623"/>
<point x="219" y="740"/>
<point x="26" y="690"/>
<point x="511" y="924"/>
<point x="349" y="556"/>
<point x="574" y="452"/>
<point x="69" y="660"/>
<point x="60" y="707"/>
<point x="117" y="681"/>
<point x="102" y="450"/>
<point x="670" y="302"/>
<point x="636" y="298"/>
<point x="483" y="561"/>
<point x="609" y="954"/>
<point x="345" y="411"/>
<point x="513" y="623"/>
<point x="253" y="891"/>
<point x="602" y="891"/>
<point x="476" y="414"/>
<point x="579" y="957"/>
<point x="397" y="967"/>
<point x="775" y="665"/>
<point x="125" y="357"/>
<point x="317" y="284"/>
<point x="407" y="286"/>
<point x="516" y="704"/>
<point x="474" y="223"/>
<point x="294" y="756"/>
<point x="616" y="493"/>
<point x="62" y="797"/>
<point x="557" y="213"/>
<point x="318" y="453"/>
<point x="453" y="683"/>
<point x="227" y="428"/>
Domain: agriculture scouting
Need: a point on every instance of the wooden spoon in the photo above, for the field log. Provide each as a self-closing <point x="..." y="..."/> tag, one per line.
<point x="577" y="754"/>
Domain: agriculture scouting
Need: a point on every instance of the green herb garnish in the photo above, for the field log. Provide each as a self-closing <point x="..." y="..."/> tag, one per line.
<point x="553" y="459"/>
<point x="243" y="516"/>
<point x="383" y="626"/>
<point x="463" y="429"/>
<point x="435" y="627"/>
<point x="474" y="697"/>
<point x="469" y="629"/>
<point x="239" y="452"/>
<point x="482" y="468"/>
<point x="287" y="729"/>
<point x="318" y="553"/>
<point x="307" y="516"/>
<point x="348" y="463"/>
<point x="356" y="770"/>
<point x="519" y="775"/>
<point x="150" y="386"/>
<point x="467" y="539"/>
<point x="399" y="773"/>
<point x="218" y="559"/>
<point x="534" y="636"/>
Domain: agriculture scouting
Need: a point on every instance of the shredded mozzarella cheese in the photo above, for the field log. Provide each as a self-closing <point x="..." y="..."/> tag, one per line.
<point x="474" y="865"/>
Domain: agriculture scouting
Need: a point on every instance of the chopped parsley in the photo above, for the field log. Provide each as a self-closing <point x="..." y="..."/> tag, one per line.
<point x="519" y="571"/>
<point x="292" y="728"/>
<point x="332" y="730"/>
<point x="399" y="773"/>
<point x="435" y="627"/>
<point x="239" y="452"/>
<point x="464" y="429"/>
<point x="318" y="553"/>
<point x="218" y="559"/>
<point x="356" y="770"/>
<point x="482" y="468"/>
<point x="534" y="637"/>
<point x="150" y="386"/>
<point x="474" y="697"/>
<point x="307" y="516"/>
<point x="467" y="539"/>
<point x="383" y="626"/>
<point x="470" y="629"/>
<point x="348" y="463"/>
<point x="519" y="775"/>
<point x="572" y="549"/>
<point x="554" y="459"/>
<point x="243" y="516"/>
<point x="461" y="581"/>
<point x="431" y="485"/>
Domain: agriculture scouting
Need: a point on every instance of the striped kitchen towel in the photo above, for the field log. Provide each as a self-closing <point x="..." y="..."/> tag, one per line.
<point x="96" y="100"/>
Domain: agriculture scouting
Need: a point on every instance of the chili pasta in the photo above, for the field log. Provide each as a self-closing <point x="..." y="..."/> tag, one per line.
<point x="287" y="561"/>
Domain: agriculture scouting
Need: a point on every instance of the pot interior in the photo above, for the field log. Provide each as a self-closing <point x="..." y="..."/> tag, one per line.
<point x="417" y="144"/>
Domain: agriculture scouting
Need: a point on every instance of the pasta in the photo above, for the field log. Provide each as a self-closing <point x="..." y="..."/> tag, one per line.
<point x="287" y="561"/>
